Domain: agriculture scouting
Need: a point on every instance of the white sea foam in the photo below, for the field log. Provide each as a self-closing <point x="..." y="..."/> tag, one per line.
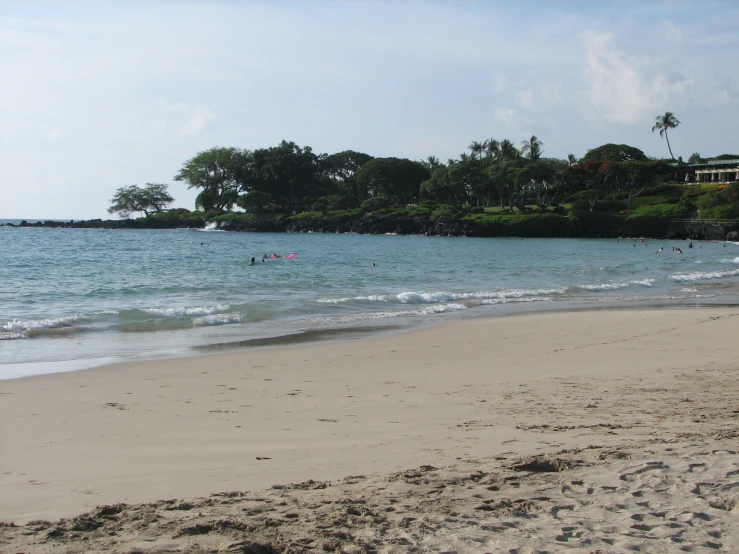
<point x="602" y="287"/>
<point x="704" y="276"/>
<point x="39" y="324"/>
<point x="649" y="283"/>
<point x="438" y="297"/>
<point x="510" y="300"/>
<point x="210" y="227"/>
<point x="616" y="286"/>
<point x="12" y="336"/>
<point x="428" y="310"/>
<point x="218" y="319"/>
<point x="188" y="312"/>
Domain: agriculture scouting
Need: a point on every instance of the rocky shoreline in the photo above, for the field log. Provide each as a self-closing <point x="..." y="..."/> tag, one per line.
<point x="553" y="226"/>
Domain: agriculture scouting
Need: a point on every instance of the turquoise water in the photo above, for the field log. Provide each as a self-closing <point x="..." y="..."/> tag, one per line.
<point x="74" y="298"/>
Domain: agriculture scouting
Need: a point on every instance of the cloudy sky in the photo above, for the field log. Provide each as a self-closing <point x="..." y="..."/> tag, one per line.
<point x="95" y="95"/>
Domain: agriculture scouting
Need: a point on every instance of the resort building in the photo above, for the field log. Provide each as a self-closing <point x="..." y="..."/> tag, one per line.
<point x="713" y="171"/>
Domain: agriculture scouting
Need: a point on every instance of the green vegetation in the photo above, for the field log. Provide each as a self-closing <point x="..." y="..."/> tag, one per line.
<point x="151" y="198"/>
<point x="492" y="189"/>
<point x="664" y="122"/>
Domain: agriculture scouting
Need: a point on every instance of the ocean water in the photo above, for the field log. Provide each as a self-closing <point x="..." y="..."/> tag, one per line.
<point x="77" y="298"/>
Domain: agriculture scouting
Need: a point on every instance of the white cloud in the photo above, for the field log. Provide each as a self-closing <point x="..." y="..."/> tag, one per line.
<point x="672" y="31"/>
<point x="526" y="98"/>
<point x="625" y="89"/>
<point x="506" y="116"/>
<point x="197" y="121"/>
<point x="500" y="85"/>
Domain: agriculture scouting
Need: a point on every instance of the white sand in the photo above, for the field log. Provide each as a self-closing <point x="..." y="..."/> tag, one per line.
<point x="478" y="395"/>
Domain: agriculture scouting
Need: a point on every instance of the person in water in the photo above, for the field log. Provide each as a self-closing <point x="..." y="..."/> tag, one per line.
<point x="253" y="261"/>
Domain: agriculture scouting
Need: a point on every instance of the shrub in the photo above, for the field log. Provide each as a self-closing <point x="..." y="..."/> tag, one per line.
<point x="445" y="212"/>
<point x="686" y="206"/>
<point x="731" y="192"/>
<point x="538" y="225"/>
<point x="375" y="203"/>
<point x="640" y="201"/>
<point x="609" y="206"/>
<point x="708" y="200"/>
<point x="664" y="189"/>
<point x="727" y="211"/>
<point x="658" y="213"/>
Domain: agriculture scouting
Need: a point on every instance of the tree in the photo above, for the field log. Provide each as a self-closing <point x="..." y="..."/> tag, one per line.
<point x="664" y="122"/>
<point x="596" y="175"/>
<point x="476" y="148"/>
<point x="431" y="163"/>
<point x="492" y="148"/>
<point x="220" y="172"/>
<point x="152" y="198"/>
<point x="571" y="159"/>
<point x="542" y="176"/>
<point x="443" y="187"/>
<point x="634" y="177"/>
<point x="695" y="159"/>
<point x="509" y="179"/>
<point x="256" y="202"/>
<point x="532" y="148"/>
<point x="399" y="180"/>
<point x="508" y="151"/>
<point x="294" y="175"/>
<point x="614" y="153"/>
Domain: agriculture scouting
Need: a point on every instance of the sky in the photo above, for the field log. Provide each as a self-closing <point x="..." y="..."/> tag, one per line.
<point x="96" y="95"/>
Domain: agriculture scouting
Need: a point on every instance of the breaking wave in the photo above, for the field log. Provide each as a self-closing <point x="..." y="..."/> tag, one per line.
<point x="703" y="276"/>
<point x="15" y="329"/>
<point x="438" y="297"/>
<point x="429" y="310"/>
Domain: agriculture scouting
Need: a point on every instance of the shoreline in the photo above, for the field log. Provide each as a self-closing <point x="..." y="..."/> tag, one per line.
<point x="369" y="331"/>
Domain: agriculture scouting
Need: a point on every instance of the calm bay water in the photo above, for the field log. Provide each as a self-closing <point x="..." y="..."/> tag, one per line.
<point x="75" y="298"/>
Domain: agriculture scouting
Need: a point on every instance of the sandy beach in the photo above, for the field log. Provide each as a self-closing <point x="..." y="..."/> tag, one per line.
<point x="604" y="431"/>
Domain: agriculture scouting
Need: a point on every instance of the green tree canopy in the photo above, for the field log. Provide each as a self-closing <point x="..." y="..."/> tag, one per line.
<point x="220" y="172"/>
<point x="532" y="148"/>
<point x="615" y="153"/>
<point x="151" y="198"/>
<point x="291" y="174"/>
<point x="396" y="179"/>
<point x="256" y="202"/>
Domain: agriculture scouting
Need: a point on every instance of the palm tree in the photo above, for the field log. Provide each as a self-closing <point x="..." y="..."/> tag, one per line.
<point x="465" y="157"/>
<point x="432" y="162"/>
<point x="508" y="151"/>
<point x="532" y="148"/>
<point x="571" y="159"/>
<point x="492" y="148"/>
<point x="476" y="148"/>
<point x="664" y="122"/>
